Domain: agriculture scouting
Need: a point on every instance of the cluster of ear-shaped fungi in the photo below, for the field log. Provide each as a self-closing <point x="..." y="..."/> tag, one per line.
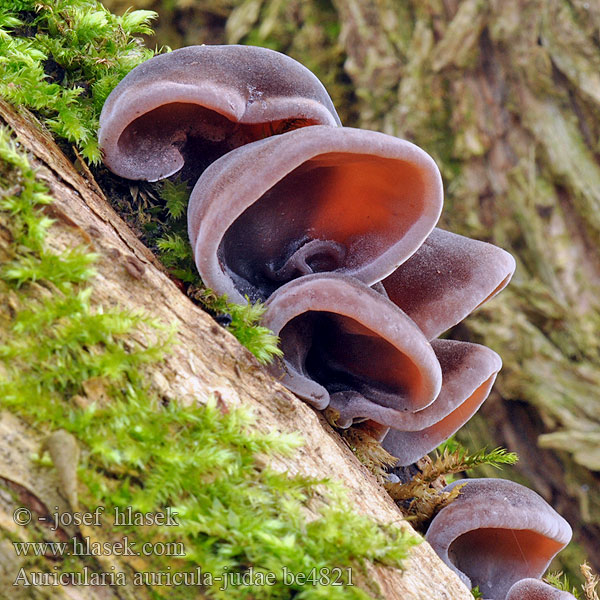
<point x="334" y="228"/>
<point x="500" y="536"/>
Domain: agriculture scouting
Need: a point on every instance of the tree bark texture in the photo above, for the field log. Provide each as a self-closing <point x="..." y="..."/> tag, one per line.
<point x="205" y="360"/>
<point x="505" y="94"/>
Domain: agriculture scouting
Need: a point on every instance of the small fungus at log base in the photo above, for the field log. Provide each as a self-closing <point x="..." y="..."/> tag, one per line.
<point x="311" y="200"/>
<point x="468" y="374"/>
<point x="195" y="104"/>
<point x="495" y="533"/>
<point x="534" y="589"/>
<point x="447" y="279"/>
<point x="344" y="342"/>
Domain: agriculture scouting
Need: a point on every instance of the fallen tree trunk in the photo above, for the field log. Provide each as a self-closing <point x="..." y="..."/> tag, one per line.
<point x="205" y="360"/>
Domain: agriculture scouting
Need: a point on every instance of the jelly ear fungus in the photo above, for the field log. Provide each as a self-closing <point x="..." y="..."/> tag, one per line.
<point x="495" y="533"/>
<point x="292" y="208"/>
<point x="195" y="104"/>
<point x="443" y="282"/>
<point x="311" y="200"/>
<point x="346" y="345"/>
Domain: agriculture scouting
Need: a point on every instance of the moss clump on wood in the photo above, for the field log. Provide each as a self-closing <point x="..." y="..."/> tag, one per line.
<point x="419" y="493"/>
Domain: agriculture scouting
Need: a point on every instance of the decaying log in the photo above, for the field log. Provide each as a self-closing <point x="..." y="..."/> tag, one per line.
<point x="205" y="360"/>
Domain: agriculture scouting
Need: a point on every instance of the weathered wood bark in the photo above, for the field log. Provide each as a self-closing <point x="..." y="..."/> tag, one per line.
<point x="506" y="95"/>
<point x="205" y="360"/>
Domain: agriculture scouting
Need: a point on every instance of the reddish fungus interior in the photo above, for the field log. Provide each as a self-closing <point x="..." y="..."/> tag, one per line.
<point x="456" y="419"/>
<point x="200" y="134"/>
<point x="357" y="205"/>
<point x="343" y="355"/>
<point x="495" y="558"/>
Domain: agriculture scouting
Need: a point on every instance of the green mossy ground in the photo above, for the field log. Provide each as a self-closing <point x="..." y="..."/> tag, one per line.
<point x="202" y="462"/>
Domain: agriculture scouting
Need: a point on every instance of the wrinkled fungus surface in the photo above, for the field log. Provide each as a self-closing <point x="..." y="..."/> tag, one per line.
<point x="496" y="533"/>
<point x="195" y="104"/>
<point x="311" y="200"/>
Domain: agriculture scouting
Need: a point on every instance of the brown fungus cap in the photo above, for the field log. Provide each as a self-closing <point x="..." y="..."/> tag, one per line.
<point x="448" y="278"/>
<point x="496" y="533"/>
<point x="341" y="340"/>
<point x="195" y="104"/>
<point x="468" y="374"/>
<point x="311" y="200"/>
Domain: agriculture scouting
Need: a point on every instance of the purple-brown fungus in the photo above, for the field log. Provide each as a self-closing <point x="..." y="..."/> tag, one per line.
<point x="495" y="533"/>
<point x="447" y="279"/>
<point x="195" y="104"/>
<point x="287" y="193"/>
<point x="468" y="373"/>
<point x="311" y="200"/>
<point x="534" y="589"/>
<point x="346" y="345"/>
<point x="349" y="348"/>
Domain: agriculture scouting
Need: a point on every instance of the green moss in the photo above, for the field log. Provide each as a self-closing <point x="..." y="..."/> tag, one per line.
<point x="465" y="460"/>
<point x="561" y="582"/>
<point x="62" y="59"/>
<point x="242" y="320"/>
<point x="204" y="462"/>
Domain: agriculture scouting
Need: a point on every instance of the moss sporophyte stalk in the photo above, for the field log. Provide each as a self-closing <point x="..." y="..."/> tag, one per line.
<point x="198" y="461"/>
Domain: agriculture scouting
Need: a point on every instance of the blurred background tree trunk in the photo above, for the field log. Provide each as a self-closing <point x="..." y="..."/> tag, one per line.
<point x="505" y="94"/>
